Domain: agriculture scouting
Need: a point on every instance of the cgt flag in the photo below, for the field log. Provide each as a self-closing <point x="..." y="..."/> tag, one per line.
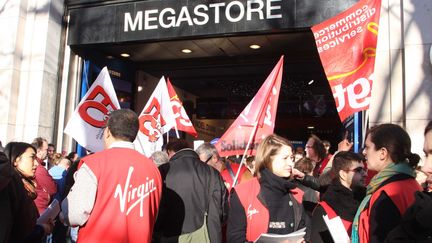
<point x="256" y="121"/>
<point x="88" y="121"/>
<point x="183" y="123"/>
<point x="347" y="47"/>
<point x="156" y="119"/>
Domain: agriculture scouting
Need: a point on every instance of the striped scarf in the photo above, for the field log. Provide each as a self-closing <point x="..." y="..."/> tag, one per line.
<point x="376" y="182"/>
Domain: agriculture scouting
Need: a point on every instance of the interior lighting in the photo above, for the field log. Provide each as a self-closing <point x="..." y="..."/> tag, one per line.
<point x="311" y="82"/>
<point x="125" y="55"/>
<point x="109" y="57"/>
<point x="187" y="51"/>
<point x="310" y="127"/>
<point x="254" y="46"/>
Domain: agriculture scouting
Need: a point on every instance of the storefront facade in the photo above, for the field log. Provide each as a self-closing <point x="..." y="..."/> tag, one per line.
<point x="41" y="73"/>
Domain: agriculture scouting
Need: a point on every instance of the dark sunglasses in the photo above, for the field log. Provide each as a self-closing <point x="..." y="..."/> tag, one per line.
<point x="358" y="170"/>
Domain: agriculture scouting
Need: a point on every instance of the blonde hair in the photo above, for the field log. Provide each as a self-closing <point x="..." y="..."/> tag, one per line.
<point x="267" y="149"/>
<point x="57" y="157"/>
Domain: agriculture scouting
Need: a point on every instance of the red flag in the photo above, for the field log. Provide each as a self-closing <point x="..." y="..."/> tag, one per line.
<point x="182" y="120"/>
<point x="256" y="121"/>
<point x="347" y="47"/>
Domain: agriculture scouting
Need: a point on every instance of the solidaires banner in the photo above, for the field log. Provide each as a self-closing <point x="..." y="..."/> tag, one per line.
<point x="347" y="48"/>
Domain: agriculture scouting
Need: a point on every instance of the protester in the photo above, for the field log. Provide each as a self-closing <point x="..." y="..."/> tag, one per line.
<point x="50" y="152"/>
<point x="69" y="182"/>
<point x="343" y="196"/>
<point x="208" y="154"/>
<point x="194" y="196"/>
<point x="58" y="173"/>
<point x="316" y="152"/>
<point x="45" y="185"/>
<point x="391" y="191"/>
<point x="159" y="158"/>
<point x="310" y="197"/>
<point x="72" y="156"/>
<point x="18" y="221"/>
<point x="117" y="191"/>
<point x="269" y="203"/>
<point x="416" y="224"/>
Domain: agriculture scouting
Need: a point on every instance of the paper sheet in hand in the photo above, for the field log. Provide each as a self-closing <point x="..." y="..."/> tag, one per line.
<point x="337" y="229"/>
<point x="50" y="213"/>
<point x="274" y="238"/>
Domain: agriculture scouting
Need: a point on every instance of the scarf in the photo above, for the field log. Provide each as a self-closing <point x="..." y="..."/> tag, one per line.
<point x="376" y="182"/>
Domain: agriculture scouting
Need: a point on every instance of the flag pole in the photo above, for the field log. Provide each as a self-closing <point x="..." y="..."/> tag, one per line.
<point x="175" y="127"/>
<point x="244" y="154"/>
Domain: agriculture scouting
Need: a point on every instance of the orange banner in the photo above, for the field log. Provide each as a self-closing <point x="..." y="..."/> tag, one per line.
<point x="347" y="47"/>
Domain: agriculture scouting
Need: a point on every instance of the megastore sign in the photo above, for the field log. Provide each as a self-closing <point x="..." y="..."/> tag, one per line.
<point x="167" y="19"/>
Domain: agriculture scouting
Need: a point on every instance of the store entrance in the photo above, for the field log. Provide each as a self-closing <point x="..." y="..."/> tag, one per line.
<point x="219" y="76"/>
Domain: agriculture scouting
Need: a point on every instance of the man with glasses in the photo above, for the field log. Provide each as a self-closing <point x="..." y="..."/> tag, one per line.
<point x="343" y="195"/>
<point x="208" y="154"/>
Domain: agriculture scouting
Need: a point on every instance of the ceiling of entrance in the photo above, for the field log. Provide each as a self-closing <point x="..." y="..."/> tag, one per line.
<point x="227" y="66"/>
<point x="227" y="70"/>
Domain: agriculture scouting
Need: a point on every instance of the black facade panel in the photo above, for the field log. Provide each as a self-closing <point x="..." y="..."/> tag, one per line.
<point x="170" y="19"/>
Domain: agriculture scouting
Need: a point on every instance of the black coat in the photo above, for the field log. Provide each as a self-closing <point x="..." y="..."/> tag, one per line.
<point x="343" y="201"/>
<point x="276" y="197"/>
<point x="185" y="197"/>
<point x="416" y="224"/>
<point x="18" y="213"/>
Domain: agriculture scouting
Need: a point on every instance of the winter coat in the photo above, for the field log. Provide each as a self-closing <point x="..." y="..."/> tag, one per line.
<point x="18" y="213"/>
<point x="416" y="224"/>
<point x="264" y="205"/>
<point x="187" y="183"/>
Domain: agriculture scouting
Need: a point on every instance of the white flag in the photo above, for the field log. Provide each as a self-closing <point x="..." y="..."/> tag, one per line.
<point x="89" y="118"/>
<point x="156" y="119"/>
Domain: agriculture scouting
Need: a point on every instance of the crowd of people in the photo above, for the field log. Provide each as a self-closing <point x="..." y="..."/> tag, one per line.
<point x="186" y="195"/>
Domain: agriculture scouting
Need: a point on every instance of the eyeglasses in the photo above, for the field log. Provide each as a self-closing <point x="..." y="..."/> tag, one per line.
<point x="358" y="170"/>
<point x="207" y="160"/>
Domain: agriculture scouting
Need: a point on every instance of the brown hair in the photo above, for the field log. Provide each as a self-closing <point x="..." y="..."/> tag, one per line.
<point x="304" y="165"/>
<point x="267" y="149"/>
<point x="318" y="146"/>
<point x="397" y="142"/>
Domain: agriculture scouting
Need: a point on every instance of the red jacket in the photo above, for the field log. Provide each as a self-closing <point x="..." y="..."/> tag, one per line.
<point x="257" y="215"/>
<point x="45" y="188"/>
<point x="127" y="199"/>
<point x="401" y="193"/>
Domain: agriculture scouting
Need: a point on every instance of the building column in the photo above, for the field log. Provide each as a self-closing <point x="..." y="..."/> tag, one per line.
<point x="29" y="68"/>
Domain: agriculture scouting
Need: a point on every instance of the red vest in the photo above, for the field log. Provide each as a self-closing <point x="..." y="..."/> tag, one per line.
<point x="400" y="192"/>
<point x="331" y="214"/>
<point x="257" y="215"/>
<point x="127" y="198"/>
<point x="226" y="176"/>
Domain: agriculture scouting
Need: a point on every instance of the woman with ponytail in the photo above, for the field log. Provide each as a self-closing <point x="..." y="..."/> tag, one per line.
<point x="391" y="191"/>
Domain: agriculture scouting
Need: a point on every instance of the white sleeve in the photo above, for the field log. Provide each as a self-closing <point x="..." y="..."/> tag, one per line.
<point x="77" y="206"/>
